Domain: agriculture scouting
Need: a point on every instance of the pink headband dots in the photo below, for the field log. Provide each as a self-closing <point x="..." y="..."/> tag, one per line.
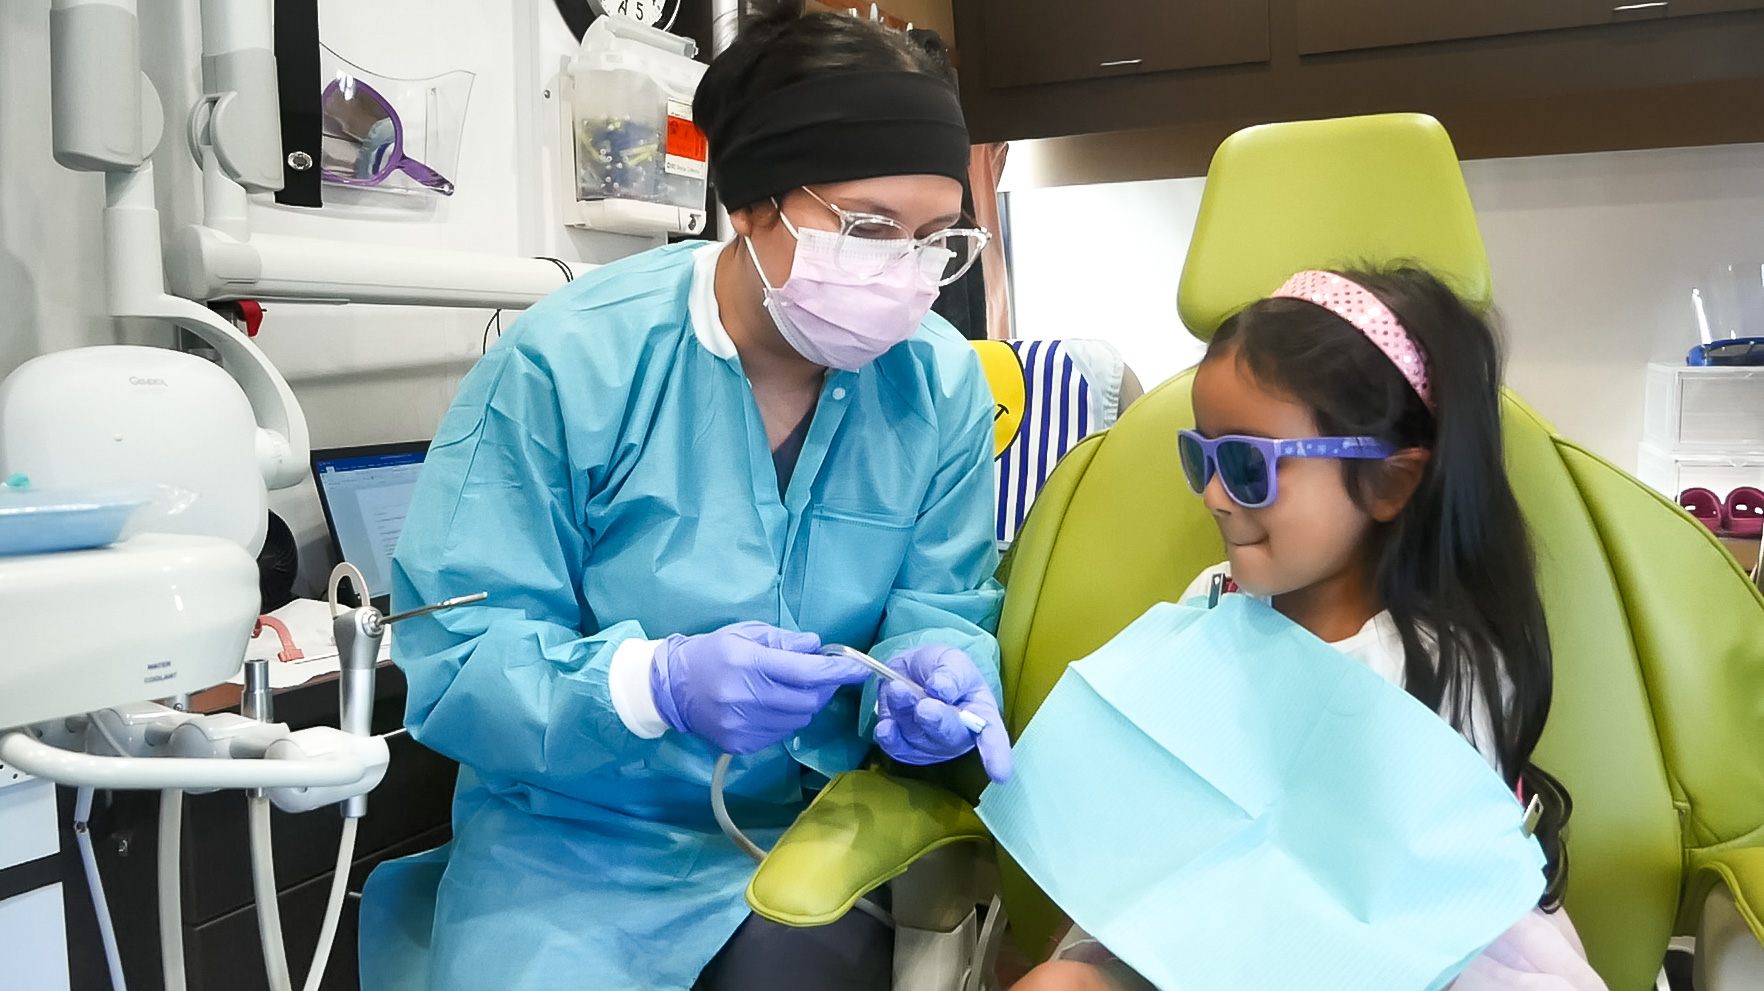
<point x="1357" y="305"/>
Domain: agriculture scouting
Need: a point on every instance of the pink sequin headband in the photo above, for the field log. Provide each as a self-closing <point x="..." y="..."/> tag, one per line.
<point x="1357" y="305"/>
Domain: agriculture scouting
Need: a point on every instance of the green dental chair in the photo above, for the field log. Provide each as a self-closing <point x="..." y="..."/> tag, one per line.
<point x="1657" y="727"/>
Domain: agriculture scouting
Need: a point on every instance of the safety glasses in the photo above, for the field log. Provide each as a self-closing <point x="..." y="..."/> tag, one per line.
<point x="363" y="139"/>
<point x="1246" y="466"/>
<point x="861" y="234"/>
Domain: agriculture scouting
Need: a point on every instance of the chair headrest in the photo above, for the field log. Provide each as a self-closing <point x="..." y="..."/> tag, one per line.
<point x="1353" y="191"/>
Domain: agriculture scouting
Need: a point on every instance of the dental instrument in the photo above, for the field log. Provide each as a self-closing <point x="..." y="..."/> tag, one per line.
<point x="972" y="721"/>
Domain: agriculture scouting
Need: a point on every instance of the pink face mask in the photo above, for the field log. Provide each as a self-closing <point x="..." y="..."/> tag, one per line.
<point x="840" y="320"/>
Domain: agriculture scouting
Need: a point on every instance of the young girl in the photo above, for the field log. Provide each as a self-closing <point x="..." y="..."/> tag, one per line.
<point x="1391" y="533"/>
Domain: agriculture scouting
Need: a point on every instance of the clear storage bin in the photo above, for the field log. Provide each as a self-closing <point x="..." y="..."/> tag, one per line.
<point x="634" y="136"/>
<point x="1670" y="472"/>
<point x="1716" y="408"/>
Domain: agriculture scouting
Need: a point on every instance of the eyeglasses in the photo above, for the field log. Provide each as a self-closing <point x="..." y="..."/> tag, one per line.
<point x="1246" y="466"/>
<point x="363" y="139"/>
<point x="860" y="233"/>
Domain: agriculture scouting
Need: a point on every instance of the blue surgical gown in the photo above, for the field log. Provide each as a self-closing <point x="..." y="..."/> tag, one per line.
<point x="604" y="474"/>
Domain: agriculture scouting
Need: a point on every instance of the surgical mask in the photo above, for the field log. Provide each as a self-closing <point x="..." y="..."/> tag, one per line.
<point x="844" y="321"/>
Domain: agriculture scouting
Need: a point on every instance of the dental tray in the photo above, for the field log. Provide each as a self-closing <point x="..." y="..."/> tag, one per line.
<point x="43" y="521"/>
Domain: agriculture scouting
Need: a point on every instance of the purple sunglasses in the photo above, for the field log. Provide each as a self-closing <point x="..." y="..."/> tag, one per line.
<point x="368" y="158"/>
<point x="1246" y="465"/>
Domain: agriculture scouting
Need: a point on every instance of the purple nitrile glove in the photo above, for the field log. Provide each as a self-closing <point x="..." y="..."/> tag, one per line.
<point x="747" y="686"/>
<point x="929" y="730"/>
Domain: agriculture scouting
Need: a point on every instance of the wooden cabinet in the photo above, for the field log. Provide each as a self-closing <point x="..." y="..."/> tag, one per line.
<point x="1507" y="77"/>
<point x="1688" y="8"/>
<point x="1326" y="26"/>
<point x="1348" y="25"/>
<point x="1050" y="41"/>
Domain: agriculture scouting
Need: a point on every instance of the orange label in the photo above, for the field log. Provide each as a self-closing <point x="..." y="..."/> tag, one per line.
<point x="688" y="151"/>
<point x="685" y="140"/>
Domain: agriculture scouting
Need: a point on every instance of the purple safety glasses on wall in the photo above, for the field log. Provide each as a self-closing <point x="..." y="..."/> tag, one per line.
<point x="1246" y="466"/>
<point x="364" y="139"/>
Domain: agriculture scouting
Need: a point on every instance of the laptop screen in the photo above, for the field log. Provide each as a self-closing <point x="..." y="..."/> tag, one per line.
<point x="365" y="492"/>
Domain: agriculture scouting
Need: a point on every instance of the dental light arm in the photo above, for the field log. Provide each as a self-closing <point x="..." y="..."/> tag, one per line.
<point x="240" y="110"/>
<point x="107" y="119"/>
<point x="135" y="288"/>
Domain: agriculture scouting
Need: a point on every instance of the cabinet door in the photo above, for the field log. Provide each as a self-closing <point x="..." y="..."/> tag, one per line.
<point x="1688" y="8"/>
<point x="1050" y="41"/>
<point x="1350" y="25"/>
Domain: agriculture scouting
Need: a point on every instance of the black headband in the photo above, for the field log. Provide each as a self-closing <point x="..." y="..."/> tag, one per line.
<point x="838" y="127"/>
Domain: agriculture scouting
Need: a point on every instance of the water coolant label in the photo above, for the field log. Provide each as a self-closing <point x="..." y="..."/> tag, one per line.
<point x="687" y="149"/>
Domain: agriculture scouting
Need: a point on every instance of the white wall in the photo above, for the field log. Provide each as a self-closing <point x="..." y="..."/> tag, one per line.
<point x="1103" y="261"/>
<point x="364" y="374"/>
<point x="1593" y="259"/>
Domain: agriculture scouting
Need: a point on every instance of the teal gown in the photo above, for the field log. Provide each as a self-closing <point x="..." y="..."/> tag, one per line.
<point x="604" y="475"/>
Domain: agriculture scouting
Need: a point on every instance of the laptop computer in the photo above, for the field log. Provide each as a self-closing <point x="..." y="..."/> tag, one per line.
<point x="365" y="492"/>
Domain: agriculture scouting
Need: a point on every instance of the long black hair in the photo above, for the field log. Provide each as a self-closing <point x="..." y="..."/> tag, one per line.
<point x="778" y="45"/>
<point x="1456" y="568"/>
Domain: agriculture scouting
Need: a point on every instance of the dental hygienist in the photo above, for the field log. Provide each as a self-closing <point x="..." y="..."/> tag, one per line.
<point x="678" y="478"/>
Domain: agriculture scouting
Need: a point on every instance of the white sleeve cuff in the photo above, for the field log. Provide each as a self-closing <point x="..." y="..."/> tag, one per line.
<point x="628" y="679"/>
